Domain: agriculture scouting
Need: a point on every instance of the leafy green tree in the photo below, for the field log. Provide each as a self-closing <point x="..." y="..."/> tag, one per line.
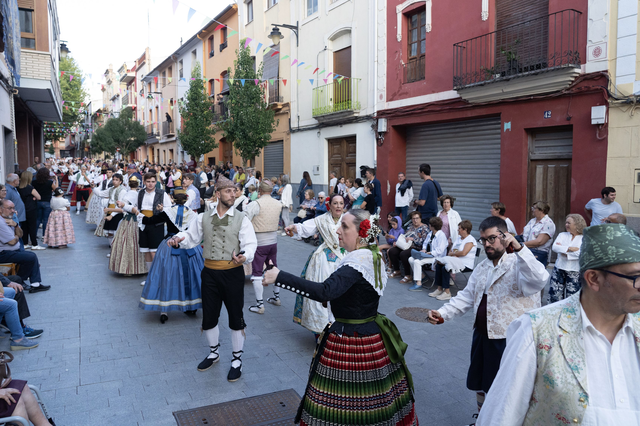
<point x="250" y="122"/>
<point x="72" y="91"/>
<point x="197" y="135"/>
<point x="121" y="132"/>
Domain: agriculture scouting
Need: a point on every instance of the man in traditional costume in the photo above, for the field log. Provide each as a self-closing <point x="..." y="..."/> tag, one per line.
<point x="500" y="289"/>
<point x="264" y="214"/>
<point x="229" y="241"/>
<point x="577" y="361"/>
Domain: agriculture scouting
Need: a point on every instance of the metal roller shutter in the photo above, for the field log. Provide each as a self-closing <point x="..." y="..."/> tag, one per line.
<point x="273" y="160"/>
<point x="465" y="158"/>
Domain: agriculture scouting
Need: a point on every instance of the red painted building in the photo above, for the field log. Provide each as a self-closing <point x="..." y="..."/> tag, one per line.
<point x="496" y="100"/>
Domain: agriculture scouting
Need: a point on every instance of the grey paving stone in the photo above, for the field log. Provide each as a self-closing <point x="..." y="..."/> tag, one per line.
<point x="104" y="361"/>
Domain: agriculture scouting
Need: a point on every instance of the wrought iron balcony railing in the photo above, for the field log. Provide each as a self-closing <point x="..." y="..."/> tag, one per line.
<point x="541" y="44"/>
<point x="414" y="70"/>
<point x="335" y="97"/>
<point x="151" y="130"/>
<point x="220" y="112"/>
<point x="167" y="129"/>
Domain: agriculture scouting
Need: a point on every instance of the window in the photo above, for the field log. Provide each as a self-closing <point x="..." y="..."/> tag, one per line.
<point x="223" y="39"/>
<point x="180" y="69"/>
<point x="212" y="87"/>
<point x="271" y="3"/>
<point x="27" y="34"/>
<point x="249" y="11"/>
<point x="164" y="78"/>
<point x="194" y="57"/>
<point x="312" y="7"/>
<point x="271" y="72"/>
<point x="211" y="49"/>
<point x="170" y="73"/>
<point x="225" y="82"/>
<point x="415" y="66"/>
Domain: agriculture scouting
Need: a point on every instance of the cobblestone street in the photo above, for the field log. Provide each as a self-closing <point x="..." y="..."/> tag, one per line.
<point x="104" y="361"/>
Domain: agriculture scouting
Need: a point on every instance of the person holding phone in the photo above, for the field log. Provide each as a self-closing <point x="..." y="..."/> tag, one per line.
<point x="229" y="240"/>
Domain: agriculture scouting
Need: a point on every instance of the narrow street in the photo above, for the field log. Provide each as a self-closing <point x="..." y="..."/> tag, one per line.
<point x="104" y="361"/>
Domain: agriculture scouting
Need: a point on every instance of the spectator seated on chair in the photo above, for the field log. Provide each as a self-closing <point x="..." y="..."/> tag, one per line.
<point x="18" y="400"/>
<point x="16" y="283"/>
<point x="461" y="258"/>
<point x="416" y="234"/>
<point x="395" y="230"/>
<point x="435" y="245"/>
<point x="9" y="310"/>
<point x="308" y="205"/>
<point x="10" y="236"/>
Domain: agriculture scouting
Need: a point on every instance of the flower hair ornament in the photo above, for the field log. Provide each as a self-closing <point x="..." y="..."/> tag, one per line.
<point x="369" y="230"/>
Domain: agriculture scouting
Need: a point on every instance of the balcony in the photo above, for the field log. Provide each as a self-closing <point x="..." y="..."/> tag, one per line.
<point x="223" y="45"/>
<point x="220" y="112"/>
<point x="125" y="100"/>
<point x="537" y="56"/>
<point x="336" y="100"/>
<point x="39" y="86"/>
<point x="414" y="70"/>
<point x="152" y="131"/>
<point x="167" y="129"/>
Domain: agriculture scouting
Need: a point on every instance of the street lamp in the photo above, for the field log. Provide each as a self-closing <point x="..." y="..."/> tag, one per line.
<point x="276" y="35"/>
<point x="64" y="50"/>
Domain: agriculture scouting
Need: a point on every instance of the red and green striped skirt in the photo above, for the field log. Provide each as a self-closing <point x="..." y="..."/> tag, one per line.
<point x="353" y="382"/>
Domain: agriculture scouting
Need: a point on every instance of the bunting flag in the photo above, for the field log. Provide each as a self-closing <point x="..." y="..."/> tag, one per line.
<point x="316" y="70"/>
<point x="175" y="6"/>
<point x="242" y="81"/>
<point x="284" y="57"/>
<point x="311" y="80"/>
<point x="192" y="12"/>
<point x="329" y="74"/>
<point x="307" y="67"/>
<point x="246" y="42"/>
<point x="232" y="33"/>
<point x="219" y="27"/>
<point x="256" y="81"/>
<point x="284" y="81"/>
<point x="274" y="53"/>
<point x="321" y="72"/>
<point x="294" y="62"/>
<point x="271" y="81"/>
<point x="298" y="81"/>
<point x="258" y="48"/>
<point x="70" y="78"/>
<point x="267" y="50"/>
<point x="300" y="64"/>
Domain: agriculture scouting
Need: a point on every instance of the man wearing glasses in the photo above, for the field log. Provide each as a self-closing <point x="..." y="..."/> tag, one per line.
<point x="501" y="288"/>
<point x="10" y="235"/>
<point x="577" y="361"/>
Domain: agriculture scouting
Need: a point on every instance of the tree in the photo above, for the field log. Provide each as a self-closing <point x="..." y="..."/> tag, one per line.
<point x="121" y="132"/>
<point x="72" y="92"/>
<point x="197" y="134"/>
<point x="250" y="122"/>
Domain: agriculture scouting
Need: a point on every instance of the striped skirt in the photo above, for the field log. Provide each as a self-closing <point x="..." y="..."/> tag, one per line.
<point x="353" y="382"/>
<point x="126" y="257"/>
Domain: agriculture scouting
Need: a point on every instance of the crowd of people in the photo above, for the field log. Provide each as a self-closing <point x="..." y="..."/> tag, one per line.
<point x="197" y="232"/>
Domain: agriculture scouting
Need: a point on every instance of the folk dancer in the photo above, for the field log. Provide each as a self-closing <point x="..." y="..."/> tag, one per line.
<point x="99" y="199"/>
<point x="174" y="280"/>
<point x="264" y="214"/>
<point x="229" y="241"/>
<point x="500" y="289"/>
<point x="311" y="314"/>
<point x="112" y="214"/>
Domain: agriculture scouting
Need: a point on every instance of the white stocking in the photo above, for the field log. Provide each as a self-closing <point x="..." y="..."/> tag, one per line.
<point x="237" y="343"/>
<point x="212" y="336"/>
<point x="257" y="287"/>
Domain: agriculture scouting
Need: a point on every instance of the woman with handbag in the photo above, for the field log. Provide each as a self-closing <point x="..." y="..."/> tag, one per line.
<point x="401" y="250"/>
<point x="16" y="398"/>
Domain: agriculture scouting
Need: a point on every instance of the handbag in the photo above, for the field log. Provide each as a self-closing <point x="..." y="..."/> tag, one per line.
<point x="402" y="242"/>
<point x="302" y="213"/>
<point x="5" y="371"/>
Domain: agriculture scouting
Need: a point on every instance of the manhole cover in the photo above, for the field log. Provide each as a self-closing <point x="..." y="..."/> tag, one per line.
<point x="278" y="408"/>
<point x="413" y="314"/>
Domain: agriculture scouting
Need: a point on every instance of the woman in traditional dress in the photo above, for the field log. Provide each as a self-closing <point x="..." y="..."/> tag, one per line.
<point x="126" y="257"/>
<point x="311" y="314"/>
<point x="113" y="215"/>
<point x="358" y="375"/>
<point x="99" y="198"/>
<point x="174" y="282"/>
<point x="59" y="228"/>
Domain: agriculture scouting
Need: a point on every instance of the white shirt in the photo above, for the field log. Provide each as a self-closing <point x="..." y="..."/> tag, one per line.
<point x="535" y="228"/>
<point x="600" y="211"/>
<point x="438" y="245"/>
<point x="403" y="201"/>
<point x="121" y="197"/>
<point x="59" y="203"/>
<point x="203" y="180"/>
<point x="191" y="196"/>
<point x="147" y="201"/>
<point x="613" y="375"/>
<point x="332" y="183"/>
<point x="511" y="228"/>
<point x="247" y="236"/>
<point x="470" y="259"/>
<point x="567" y="260"/>
<point x="285" y="197"/>
<point x="80" y="180"/>
<point x="264" y="238"/>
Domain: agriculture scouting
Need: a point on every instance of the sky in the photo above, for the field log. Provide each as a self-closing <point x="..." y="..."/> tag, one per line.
<point x="118" y="31"/>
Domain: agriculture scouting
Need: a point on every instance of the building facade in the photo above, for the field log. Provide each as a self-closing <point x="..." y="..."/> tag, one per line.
<point x="332" y="118"/>
<point x="502" y="109"/>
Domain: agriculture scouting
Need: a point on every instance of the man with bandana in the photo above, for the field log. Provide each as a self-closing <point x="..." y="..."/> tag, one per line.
<point x="228" y="240"/>
<point x="577" y="361"/>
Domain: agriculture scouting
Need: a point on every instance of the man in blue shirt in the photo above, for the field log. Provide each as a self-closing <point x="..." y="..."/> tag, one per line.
<point x="14" y="196"/>
<point x="370" y="174"/>
<point x="429" y="193"/>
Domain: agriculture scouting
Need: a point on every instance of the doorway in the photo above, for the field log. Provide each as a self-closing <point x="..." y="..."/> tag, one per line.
<point x="342" y="88"/>
<point x="550" y="153"/>
<point x="342" y="157"/>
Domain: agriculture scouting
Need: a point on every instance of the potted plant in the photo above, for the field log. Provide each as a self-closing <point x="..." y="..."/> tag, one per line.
<point x="511" y="55"/>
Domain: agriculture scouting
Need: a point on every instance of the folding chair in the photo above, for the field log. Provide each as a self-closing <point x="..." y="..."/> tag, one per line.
<point x="21" y="420"/>
<point x="466" y="272"/>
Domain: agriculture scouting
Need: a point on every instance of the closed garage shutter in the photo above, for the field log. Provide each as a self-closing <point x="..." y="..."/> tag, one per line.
<point x="465" y="158"/>
<point x="273" y="160"/>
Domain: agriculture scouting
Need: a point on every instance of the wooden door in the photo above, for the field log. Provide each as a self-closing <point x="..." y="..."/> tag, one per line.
<point x="550" y="181"/>
<point x="342" y="157"/>
<point x="342" y="67"/>
<point x="227" y="151"/>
